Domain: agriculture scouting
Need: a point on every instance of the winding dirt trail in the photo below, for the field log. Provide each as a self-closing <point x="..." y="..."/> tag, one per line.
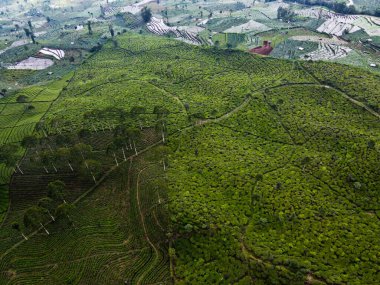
<point x="344" y="94"/>
<point x="141" y="277"/>
<point x="356" y="102"/>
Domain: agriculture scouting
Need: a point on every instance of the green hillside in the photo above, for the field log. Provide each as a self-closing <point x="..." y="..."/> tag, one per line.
<point x="194" y="165"/>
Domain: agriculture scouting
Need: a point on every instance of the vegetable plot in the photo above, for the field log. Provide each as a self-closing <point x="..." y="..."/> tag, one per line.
<point x="327" y="51"/>
<point x="158" y="27"/>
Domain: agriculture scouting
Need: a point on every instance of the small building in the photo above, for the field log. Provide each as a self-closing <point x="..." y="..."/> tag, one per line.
<point x="265" y="49"/>
<point x="373" y="65"/>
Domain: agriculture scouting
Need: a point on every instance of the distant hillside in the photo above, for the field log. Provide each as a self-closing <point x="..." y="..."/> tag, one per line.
<point x="370" y="7"/>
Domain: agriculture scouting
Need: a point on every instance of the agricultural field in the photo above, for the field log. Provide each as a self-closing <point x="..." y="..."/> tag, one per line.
<point x="242" y="25"/>
<point x="119" y="226"/>
<point x="157" y="148"/>
<point x="196" y="165"/>
<point x="19" y="116"/>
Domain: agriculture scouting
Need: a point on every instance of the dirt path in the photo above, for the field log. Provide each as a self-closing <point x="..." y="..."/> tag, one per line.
<point x="226" y="115"/>
<point x="176" y="98"/>
<point x="156" y="220"/>
<point x="248" y="100"/>
<point x="344" y="94"/>
<point x="356" y="102"/>
<point x="156" y="257"/>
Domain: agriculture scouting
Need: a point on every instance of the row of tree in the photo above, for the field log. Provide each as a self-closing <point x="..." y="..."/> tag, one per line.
<point x="51" y="208"/>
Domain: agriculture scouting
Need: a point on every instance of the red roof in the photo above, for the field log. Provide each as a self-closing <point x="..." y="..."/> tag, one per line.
<point x="266" y="49"/>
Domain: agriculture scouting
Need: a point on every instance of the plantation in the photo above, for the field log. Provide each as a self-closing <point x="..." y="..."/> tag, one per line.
<point x="192" y="165"/>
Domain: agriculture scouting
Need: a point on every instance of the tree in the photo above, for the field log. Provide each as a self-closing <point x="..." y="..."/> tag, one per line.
<point x="62" y="212"/>
<point x="47" y="204"/>
<point x="132" y="135"/>
<point x="29" y="141"/>
<point x="92" y="167"/>
<point x="137" y="110"/>
<point x="112" y="148"/>
<point x="146" y="14"/>
<point x="29" y="107"/>
<point x="56" y="190"/>
<point x="112" y="32"/>
<point x="89" y="28"/>
<point x="63" y="139"/>
<point x="259" y="177"/>
<point x="84" y="133"/>
<point x="371" y="144"/>
<point x="34" y="216"/>
<point x="62" y="155"/>
<point x="27" y="32"/>
<point x="160" y="153"/>
<point x="8" y="155"/>
<point x="127" y="133"/>
<point x="47" y="157"/>
<point x="161" y="127"/>
<point x="22" y="99"/>
<point x="188" y="228"/>
<point x="80" y="150"/>
<point x="285" y="14"/>
<point x="16" y="226"/>
<point x="160" y="111"/>
<point x="305" y="161"/>
<point x="33" y="38"/>
<point x="357" y="185"/>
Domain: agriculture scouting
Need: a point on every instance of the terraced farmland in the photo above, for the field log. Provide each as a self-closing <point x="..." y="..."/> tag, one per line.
<point x="18" y="119"/>
<point x="128" y="236"/>
<point x="105" y="242"/>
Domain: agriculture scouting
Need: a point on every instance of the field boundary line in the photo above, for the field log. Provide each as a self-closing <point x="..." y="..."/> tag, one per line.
<point x="343" y="93"/>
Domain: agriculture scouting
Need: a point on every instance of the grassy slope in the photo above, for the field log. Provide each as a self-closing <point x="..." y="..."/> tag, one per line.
<point x="271" y="178"/>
